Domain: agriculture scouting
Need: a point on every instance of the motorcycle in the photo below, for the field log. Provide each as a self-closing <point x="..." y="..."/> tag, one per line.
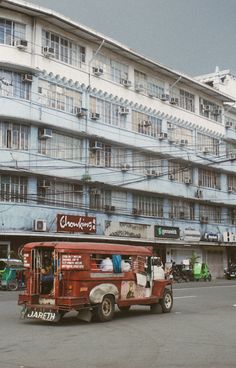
<point x="230" y="272"/>
<point x="11" y="274"/>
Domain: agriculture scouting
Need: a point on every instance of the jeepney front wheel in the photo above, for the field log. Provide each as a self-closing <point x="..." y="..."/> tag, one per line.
<point x="167" y="301"/>
<point x="106" y="309"/>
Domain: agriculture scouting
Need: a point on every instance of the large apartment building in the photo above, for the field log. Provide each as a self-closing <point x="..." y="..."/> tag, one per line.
<point x="99" y="142"/>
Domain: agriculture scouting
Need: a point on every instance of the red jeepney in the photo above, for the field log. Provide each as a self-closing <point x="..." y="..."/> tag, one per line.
<point x="89" y="278"/>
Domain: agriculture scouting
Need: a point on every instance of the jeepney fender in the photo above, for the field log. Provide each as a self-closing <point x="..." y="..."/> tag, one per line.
<point x="97" y="293"/>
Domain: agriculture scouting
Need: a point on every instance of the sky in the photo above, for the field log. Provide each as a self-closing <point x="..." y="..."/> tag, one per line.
<point x="190" y="36"/>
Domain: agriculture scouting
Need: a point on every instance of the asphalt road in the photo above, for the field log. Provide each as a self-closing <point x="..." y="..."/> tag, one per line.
<point x="200" y="332"/>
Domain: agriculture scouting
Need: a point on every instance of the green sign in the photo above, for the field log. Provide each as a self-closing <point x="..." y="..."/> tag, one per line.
<point x="166" y="232"/>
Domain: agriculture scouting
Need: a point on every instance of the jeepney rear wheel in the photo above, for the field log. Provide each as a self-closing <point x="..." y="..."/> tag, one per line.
<point x="106" y="309"/>
<point x="167" y="301"/>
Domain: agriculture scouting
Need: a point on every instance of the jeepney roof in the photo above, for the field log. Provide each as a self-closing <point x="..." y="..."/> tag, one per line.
<point x="92" y="247"/>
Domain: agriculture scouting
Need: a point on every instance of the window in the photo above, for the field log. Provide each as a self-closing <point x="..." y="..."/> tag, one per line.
<point x="180" y="135"/>
<point x="179" y="172"/>
<point x="11" y="31"/>
<point x="146" y="164"/>
<point x="11" y="84"/>
<point x="148" y="205"/>
<point x="61" y="146"/>
<point x="231" y="182"/>
<point x="50" y="192"/>
<point x="109" y="113"/>
<point x="100" y="156"/>
<point x="65" y="50"/>
<point x="232" y="216"/>
<point x="140" y="81"/>
<point x="146" y="124"/>
<point x="230" y="150"/>
<point x="179" y="209"/>
<point x="208" y="178"/>
<point x="155" y="87"/>
<point x="210" y="214"/>
<point x="186" y="100"/>
<point x="58" y="97"/>
<point x="207" y="144"/>
<point x="210" y="110"/>
<point x="14" y="136"/>
<point x="13" y="188"/>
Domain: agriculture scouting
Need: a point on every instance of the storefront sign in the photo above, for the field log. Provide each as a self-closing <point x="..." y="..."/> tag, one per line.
<point x="229" y="237"/>
<point x="191" y="235"/>
<point x="166" y="232"/>
<point x="124" y="229"/>
<point x="212" y="237"/>
<point x="76" y="224"/>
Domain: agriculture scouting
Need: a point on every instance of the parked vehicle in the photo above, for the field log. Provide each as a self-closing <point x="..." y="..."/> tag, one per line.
<point x="11" y="274"/>
<point x="201" y="272"/>
<point x="90" y="278"/>
<point x="230" y="272"/>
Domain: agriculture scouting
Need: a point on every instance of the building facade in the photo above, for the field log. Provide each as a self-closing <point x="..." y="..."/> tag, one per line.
<point x="99" y="142"/>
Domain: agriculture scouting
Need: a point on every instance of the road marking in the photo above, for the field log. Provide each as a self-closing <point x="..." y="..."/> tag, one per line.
<point x="184" y="297"/>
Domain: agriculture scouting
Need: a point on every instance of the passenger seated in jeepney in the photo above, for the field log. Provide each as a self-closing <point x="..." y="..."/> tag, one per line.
<point x="106" y="265"/>
<point x="158" y="271"/>
<point x="47" y="275"/>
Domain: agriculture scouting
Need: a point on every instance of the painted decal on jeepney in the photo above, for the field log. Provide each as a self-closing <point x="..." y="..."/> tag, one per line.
<point x="72" y="261"/>
<point x="129" y="290"/>
<point x="26" y="260"/>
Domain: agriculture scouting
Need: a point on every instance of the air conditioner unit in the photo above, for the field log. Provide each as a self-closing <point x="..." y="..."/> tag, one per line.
<point x="199" y="194"/>
<point x="123" y="111"/>
<point x="126" y="83"/>
<point x="230" y="189"/>
<point x="165" y="97"/>
<point x="170" y="126"/>
<point x="39" y="225"/>
<point x="139" y="87"/>
<point x="80" y="111"/>
<point x="183" y="142"/>
<point x="216" y="112"/>
<point x="125" y="167"/>
<point x="136" y="211"/>
<point x="48" y="51"/>
<point x="171" y="140"/>
<point x="162" y="136"/>
<point x="27" y="78"/>
<point x="174" y="101"/>
<point x="228" y="124"/>
<point x="45" y="133"/>
<point x="207" y="108"/>
<point x="205" y="150"/>
<point x="187" y="180"/>
<point x="151" y="173"/>
<point x="98" y="70"/>
<point x="146" y="123"/>
<point x="203" y="219"/>
<point x="44" y="184"/>
<point x="109" y="208"/>
<point x="171" y="177"/>
<point x="94" y="116"/>
<point x="97" y="145"/>
<point x="21" y="44"/>
<point x="232" y="156"/>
